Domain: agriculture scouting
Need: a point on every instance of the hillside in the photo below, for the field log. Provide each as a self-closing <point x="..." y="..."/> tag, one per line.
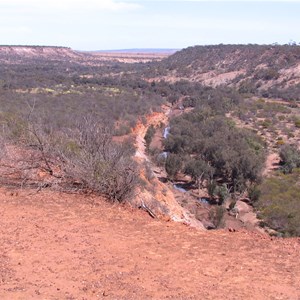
<point x="250" y="68"/>
<point x="62" y="246"/>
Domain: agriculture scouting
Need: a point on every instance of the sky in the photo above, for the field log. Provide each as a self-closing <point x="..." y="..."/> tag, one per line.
<point x="128" y="24"/>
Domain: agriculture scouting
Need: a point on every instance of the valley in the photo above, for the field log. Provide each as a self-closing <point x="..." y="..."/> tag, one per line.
<point x="157" y="175"/>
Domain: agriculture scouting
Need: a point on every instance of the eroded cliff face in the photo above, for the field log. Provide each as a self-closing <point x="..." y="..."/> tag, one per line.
<point x="156" y="195"/>
<point x="8" y="53"/>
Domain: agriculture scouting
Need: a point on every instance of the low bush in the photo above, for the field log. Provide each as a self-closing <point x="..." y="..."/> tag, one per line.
<point x="297" y="123"/>
<point x="279" y="203"/>
<point x="84" y="155"/>
<point x="149" y="135"/>
<point x="216" y="216"/>
<point x="98" y="163"/>
<point x="290" y="158"/>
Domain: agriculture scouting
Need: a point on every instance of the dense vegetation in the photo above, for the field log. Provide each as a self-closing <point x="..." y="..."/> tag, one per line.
<point x="210" y="147"/>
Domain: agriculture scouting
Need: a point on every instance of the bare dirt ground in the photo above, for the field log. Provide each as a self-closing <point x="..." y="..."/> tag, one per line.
<point x="272" y="162"/>
<point x="60" y="246"/>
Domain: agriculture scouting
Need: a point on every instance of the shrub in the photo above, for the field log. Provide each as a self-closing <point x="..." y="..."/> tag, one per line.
<point x="2" y="147"/>
<point x="222" y="193"/>
<point x="149" y="135"/>
<point x="13" y="126"/>
<point x="158" y="157"/>
<point x="267" y="74"/>
<point x="98" y="163"/>
<point x="266" y="123"/>
<point x="290" y="158"/>
<point x="216" y="216"/>
<point x="254" y="193"/>
<point x="279" y="203"/>
<point x="297" y="123"/>
<point x="280" y="142"/>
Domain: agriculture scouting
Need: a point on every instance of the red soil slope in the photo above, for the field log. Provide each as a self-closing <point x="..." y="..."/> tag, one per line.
<point x="59" y="246"/>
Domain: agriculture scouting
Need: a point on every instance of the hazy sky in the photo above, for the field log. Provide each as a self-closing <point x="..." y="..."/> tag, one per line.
<point x="113" y="24"/>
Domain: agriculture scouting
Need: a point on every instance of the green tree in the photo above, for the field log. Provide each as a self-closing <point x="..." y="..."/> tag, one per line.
<point x="199" y="170"/>
<point x="173" y="165"/>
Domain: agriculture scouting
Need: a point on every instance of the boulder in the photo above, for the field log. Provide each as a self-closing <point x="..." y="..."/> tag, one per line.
<point x="241" y="207"/>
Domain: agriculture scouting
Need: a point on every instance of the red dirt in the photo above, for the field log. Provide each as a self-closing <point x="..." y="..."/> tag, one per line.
<point x="60" y="246"/>
<point x="140" y="130"/>
<point x="272" y="162"/>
